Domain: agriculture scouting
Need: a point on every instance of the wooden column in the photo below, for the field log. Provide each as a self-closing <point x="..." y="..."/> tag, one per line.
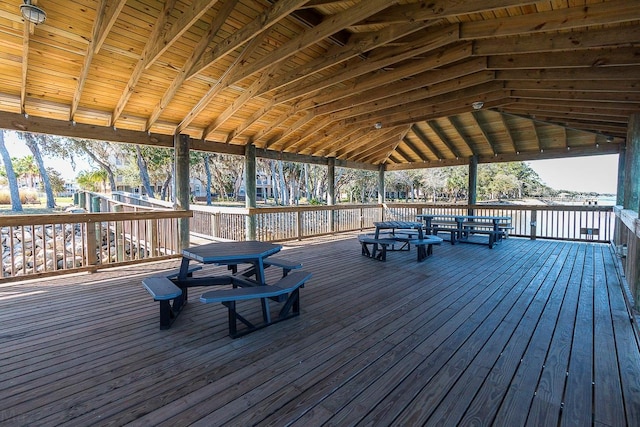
<point x="632" y="165"/>
<point x="181" y="164"/>
<point x="250" y="189"/>
<point x="381" y="184"/>
<point x="621" y="175"/>
<point x="473" y="182"/>
<point x="331" y="181"/>
<point x="331" y="190"/>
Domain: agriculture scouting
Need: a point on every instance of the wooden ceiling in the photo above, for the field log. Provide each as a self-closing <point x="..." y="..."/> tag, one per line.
<point x="367" y="82"/>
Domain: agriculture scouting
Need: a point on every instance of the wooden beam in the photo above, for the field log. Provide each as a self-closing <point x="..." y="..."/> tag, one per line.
<point x="584" y="38"/>
<point x="594" y="14"/>
<point x="509" y="133"/>
<point x="477" y="117"/>
<point x="595" y="150"/>
<point x="427" y="143"/>
<point x="580" y="85"/>
<point x="140" y="66"/>
<point x="435" y="128"/>
<point x="240" y="101"/>
<point x="460" y="99"/>
<point x="565" y="95"/>
<point x="415" y="149"/>
<point x="605" y="57"/>
<point x="438" y="9"/>
<point x="377" y="60"/>
<point x="268" y="18"/>
<point x="358" y="44"/>
<point x="309" y="37"/>
<point x="189" y="17"/>
<point x="224" y="82"/>
<point x="112" y="12"/>
<point x="419" y="81"/>
<point x="453" y="120"/>
<point x="370" y="81"/>
<point x="405" y="100"/>
<point x="214" y="27"/>
<point x="601" y="74"/>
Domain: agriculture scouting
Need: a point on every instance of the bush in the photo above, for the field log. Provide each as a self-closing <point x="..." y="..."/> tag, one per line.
<point x="27" y="195"/>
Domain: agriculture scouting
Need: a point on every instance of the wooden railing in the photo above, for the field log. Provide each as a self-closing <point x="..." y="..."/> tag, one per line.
<point x="39" y="245"/>
<point x="627" y="244"/>
<point x="577" y="223"/>
<point x="564" y="222"/>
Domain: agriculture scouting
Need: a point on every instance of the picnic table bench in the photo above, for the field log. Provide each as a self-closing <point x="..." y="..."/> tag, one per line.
<point x="391" y="233"/>
<point x="461" y="227"/>
<point x="285" y="290"/>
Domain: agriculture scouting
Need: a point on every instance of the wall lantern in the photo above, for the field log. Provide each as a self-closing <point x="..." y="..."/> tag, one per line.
<point x="32" y="13"/>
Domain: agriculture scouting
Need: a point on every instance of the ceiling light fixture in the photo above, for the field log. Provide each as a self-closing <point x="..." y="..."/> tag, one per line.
<point x="477" y="105"/>
<point x="378" y="125"/>
<point x="609" y="139"/>
<point x="32" y="13"/>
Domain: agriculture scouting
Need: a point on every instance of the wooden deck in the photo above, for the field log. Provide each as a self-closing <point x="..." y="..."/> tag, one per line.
<point x="528" y="333"/>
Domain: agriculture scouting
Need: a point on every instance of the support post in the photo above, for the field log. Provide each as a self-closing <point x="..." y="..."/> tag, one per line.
<point x="181" y="163"/>
<point x="381" y="184"/>
<point x="250" y="189"/>
<point x="473" y="182"/>
<point x="632" y="165"/>
<point x="621" y="175"/>
<point x="331" y="190"/>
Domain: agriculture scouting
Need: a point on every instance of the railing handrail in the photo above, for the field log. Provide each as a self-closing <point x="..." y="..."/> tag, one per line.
<point x="52" y="219"/>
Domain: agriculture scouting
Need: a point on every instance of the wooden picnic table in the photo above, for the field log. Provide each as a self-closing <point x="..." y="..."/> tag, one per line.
<point x="460" y="227"/>
<point x="404" y="233"/>
<point x="245" y="287"/>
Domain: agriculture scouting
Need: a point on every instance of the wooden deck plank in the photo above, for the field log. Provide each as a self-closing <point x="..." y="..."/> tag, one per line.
<point x="397" y="342"/>
<point x="605" y="411"/>
<point x="473" y="336"/>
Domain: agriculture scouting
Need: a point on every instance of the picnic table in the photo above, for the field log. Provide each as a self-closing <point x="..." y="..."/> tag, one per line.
<point x="461" y="227"/>
<point x="247" y="284"/>
<point x="390" y="234"/>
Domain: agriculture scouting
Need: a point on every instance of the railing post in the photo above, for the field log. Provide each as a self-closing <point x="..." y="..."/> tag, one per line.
<point x="361" y="218"/>
<point x="119" y="235"/>
<point x="92" y="244"/>
<point x="215" y="224"/>
<point x="534" y="223"/>
<point x="299" y="224"/>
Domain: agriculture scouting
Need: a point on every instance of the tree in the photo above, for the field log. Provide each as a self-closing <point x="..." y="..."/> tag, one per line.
<point x="57" y="182"/>
<point x="14" y="192"/>
<point x="144" y="173"/>
<point x="34" y="142"/>
<point x="101" y="152"/>
<point x="206" y="160"/>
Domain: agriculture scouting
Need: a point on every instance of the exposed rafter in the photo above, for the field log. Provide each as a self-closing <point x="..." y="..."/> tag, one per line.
<point x="376" y="81"/>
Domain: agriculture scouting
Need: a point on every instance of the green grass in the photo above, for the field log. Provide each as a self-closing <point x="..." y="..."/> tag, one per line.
<point x="38" y="209"/>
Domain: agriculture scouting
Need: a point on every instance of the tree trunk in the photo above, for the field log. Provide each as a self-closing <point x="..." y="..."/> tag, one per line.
<point x="165" y="186"/>
<point x="14" y="193"/>
<point x="282" y="184"/>
<point x="103" y="165"/>
<point x="144" y="173"/>
<point x="46" y="182"/>
<point x="207" y="169"/>
<point x="274" y="182"/>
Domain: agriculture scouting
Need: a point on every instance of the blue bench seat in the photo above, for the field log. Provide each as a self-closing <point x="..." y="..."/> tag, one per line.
<point x="286" y="290"/>
<point x="165" y="291"/>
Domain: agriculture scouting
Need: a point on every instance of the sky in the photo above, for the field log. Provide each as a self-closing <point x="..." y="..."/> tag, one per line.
<point x="586" y="174"/>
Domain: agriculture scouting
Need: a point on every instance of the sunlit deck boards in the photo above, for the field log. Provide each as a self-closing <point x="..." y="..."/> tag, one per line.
<point x="526" y="333"/>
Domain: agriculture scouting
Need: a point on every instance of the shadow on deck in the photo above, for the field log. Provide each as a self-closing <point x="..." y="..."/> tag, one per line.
<point x="530" y="332"/>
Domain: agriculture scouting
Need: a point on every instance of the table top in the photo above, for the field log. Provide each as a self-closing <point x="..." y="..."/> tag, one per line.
<point x="228" y="252"/>
<point x="465" y="217"/>
<point x="398" y="224"/>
